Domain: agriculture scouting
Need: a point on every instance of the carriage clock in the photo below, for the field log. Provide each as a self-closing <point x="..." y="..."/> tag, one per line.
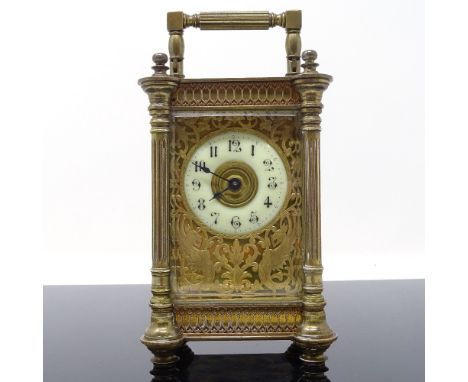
<point x="236" y="248"/>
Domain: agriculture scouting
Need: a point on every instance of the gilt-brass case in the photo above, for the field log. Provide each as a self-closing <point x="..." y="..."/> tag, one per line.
<point x="263" y="285"/>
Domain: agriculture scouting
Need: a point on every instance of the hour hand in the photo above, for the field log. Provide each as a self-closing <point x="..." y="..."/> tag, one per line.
<point x="216" y="195"/>
<point x="208" y="171"/>
<point x="202" y="168"/>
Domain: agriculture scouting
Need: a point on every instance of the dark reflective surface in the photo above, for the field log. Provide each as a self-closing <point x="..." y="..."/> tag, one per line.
<point x="91" y="334"/>
<point x="239" y="367"/>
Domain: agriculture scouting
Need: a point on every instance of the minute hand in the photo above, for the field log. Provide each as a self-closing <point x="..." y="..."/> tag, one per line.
<point x="208" y="171"/>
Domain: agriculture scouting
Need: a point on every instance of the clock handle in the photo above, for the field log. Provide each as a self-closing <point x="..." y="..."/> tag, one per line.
<point x="258" y="20"/>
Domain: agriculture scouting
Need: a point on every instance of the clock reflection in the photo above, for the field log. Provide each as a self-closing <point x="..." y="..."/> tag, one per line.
<point x="240" y="368"/>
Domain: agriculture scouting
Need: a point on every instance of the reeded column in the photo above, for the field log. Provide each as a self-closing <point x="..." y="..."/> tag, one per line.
<point x="315" y="336"/>
<point x="162" y="337"/>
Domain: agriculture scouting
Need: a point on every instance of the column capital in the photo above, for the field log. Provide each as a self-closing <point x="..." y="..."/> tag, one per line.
<point x="311" y="86"/>
<point x="159" y="89"/>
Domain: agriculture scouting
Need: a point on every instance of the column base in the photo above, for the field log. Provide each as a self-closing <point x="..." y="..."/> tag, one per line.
<point x="312" y="359"/>
<point x="171" y="365"/>
<point x="165" y="351"/>
<point x="312" y="351"/>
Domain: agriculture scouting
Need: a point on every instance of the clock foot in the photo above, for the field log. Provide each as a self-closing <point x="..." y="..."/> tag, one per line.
<point x="165" y="351"/>
<point x="315" y="336"/>
<point x="168" y="374"/>
<point x="312" y="356"/>
<point x="311" y="362"/>
<point x="165" y="359"/>
<point x="170" y="357"/>
<point x="311" y="375"/>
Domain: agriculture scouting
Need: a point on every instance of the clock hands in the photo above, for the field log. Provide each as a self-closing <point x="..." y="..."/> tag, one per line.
<point x="233" y="184"/>
<point x="208" y="171"/>
<point x="216" y="195"/>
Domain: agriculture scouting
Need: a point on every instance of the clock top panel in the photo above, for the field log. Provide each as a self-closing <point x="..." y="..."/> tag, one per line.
<point x="246" y="93"/>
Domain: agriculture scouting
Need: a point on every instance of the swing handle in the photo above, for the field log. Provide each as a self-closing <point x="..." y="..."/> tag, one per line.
<point x="291" y="21"/>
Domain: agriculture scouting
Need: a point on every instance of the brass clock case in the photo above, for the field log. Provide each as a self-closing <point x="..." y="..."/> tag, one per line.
<point x="263" y="285"/>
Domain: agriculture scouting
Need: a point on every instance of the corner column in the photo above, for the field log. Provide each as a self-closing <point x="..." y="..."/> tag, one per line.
<point x="315" y="336"/>
<point x="162" y="337"/>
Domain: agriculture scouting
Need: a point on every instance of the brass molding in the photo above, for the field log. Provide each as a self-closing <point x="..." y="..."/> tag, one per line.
<point x="230" y="93"/>
<point x="239" y="321"/>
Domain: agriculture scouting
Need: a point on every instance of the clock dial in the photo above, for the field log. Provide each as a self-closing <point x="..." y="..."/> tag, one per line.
<point x="235" y="182"/>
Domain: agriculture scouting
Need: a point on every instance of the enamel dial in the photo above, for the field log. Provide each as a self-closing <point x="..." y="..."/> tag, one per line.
<point x="235" y="182"/>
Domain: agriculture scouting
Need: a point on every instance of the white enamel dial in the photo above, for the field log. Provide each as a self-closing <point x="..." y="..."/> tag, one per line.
<point x="235" y="182"/>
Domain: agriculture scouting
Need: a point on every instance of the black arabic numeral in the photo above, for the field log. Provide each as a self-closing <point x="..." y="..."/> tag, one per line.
<point x="201" y="204"/>
<point x="196" y="184"/>
<point x="268" y="165"/>
<point x="234" y="145"/>
<point x="267" y="202"/>
<point x="272" y="183"/>
<point x="216" y="216"/>
<point x="253" y="217"/>
<point x="235" y="222"/>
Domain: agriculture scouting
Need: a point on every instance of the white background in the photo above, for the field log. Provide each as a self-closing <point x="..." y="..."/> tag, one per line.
<point x="97" y="146"/>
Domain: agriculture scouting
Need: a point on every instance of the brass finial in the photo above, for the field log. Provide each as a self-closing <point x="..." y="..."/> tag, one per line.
<point x="160" y="60"/>
<point x="309" y="64"/>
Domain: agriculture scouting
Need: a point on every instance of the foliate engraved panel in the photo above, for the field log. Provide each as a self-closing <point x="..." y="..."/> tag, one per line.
<point x="244" y="320"/>
<point x="254" y="93"/>
<point x="265" y="263"/>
